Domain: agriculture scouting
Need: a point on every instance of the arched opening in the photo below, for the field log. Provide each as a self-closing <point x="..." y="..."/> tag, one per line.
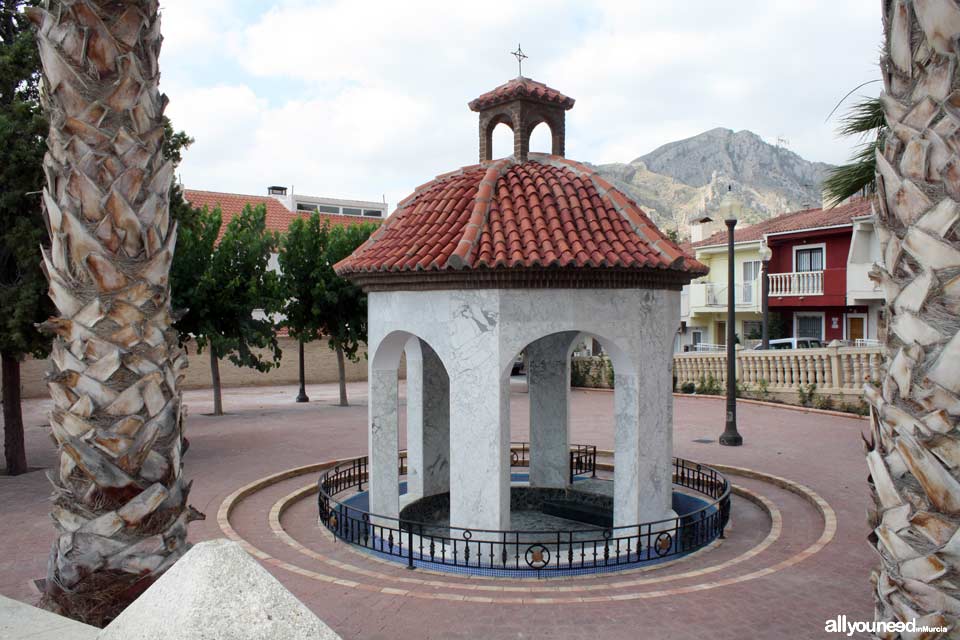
<point x="557" y="425"/>
<point x="541" y="138"/>
<point x="502" y="139"/>
<point x="425" y="423"/>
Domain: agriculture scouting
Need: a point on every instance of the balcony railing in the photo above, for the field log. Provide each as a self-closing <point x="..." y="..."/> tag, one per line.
<point x="797" y="283"/>
<point x="713" y="294"/>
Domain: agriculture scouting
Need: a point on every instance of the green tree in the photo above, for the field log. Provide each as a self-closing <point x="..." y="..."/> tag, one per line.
<point x="343" y="306"/>
<point x="226" y="292"/>
<point x="302" y="260"/>
<point x="22" y="284"/>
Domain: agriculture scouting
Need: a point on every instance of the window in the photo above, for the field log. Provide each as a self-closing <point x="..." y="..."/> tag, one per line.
<point x="303" y="206"/>
<point x="751" y="271"/>
<point x="808" y="259"/>
<point x="347" y="211"/>
<point x="752" y="329"/>
<point x="696" y="337"/>
<point x="323" y="208"/>
<point x="372" y="213"/>
<point x="808" y="325"/>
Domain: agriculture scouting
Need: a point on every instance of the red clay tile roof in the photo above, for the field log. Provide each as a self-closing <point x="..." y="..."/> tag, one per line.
<point x="795" y="221"/>
<point x="546" y="212"/>
<point x="278" y="216"/>
<point x="520" y="87"/>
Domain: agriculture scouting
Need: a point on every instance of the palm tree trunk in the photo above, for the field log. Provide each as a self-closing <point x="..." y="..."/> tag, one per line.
<point x="913" y="449"/>
<point x="14" y="448"/>
<point x="215" y="379"/>
<point x="119" y="496"/>
<point x="342" y="371"/>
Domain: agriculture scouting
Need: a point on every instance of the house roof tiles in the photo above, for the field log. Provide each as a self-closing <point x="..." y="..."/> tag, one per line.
<point x="795" y="221"/>
<point x="278" y="216"/>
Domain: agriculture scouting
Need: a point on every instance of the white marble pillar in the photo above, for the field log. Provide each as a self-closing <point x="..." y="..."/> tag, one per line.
<point x="643" y="444"/>
<point x="480" y="449"/>
<point x="548" y="381"/>
<point x="428" y="422"/>
<point x="384" y="442"/>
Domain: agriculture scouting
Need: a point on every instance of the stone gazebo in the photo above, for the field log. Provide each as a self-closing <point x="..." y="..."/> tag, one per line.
<point x="522" y="253"/>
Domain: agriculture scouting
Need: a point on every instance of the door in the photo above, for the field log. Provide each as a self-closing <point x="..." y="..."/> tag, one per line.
<point x="722" y="333"/>
<point x="856" y="328"/>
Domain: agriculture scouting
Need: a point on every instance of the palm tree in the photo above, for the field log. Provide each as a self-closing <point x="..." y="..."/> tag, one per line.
<point x="913" y="448"/>
<point x="864" y="120"/>
<point x="119" y="497"/>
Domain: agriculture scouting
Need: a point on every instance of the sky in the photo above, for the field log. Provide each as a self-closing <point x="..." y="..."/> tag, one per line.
<point x="364" y="99"/>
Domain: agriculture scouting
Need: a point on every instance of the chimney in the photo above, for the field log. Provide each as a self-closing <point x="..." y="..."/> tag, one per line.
<point x="277" y="191"/>
<point x="702" y="227"/>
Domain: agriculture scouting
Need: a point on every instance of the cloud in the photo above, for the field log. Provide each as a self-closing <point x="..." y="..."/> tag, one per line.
<point x="358" y="99"/>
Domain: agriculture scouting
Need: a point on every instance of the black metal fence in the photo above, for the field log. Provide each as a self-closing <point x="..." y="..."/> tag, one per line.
<point x="527" y="551"/>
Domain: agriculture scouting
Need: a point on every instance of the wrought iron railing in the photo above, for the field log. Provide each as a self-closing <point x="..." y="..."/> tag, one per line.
<point x="583" y="460"/>
<point x="419" y="543"/>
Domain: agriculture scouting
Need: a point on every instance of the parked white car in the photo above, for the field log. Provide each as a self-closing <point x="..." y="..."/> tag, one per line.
<point x="794" y="343"/>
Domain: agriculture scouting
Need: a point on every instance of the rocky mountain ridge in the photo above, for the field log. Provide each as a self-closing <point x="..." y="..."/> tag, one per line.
<point x="680" y="181"/>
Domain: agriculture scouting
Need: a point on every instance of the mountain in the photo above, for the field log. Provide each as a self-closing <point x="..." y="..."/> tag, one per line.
<point x="681" y="180"/>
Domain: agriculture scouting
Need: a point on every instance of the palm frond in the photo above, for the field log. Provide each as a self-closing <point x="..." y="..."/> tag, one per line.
<point x="857" y="176"/>
<point x="863" y="118"/>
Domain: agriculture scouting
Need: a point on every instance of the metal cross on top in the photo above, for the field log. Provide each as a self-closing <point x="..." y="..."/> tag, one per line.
<point x="520" y="56"/>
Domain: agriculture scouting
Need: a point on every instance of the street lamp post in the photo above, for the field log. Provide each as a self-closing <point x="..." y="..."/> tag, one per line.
<point x="765" y="255"/>
<point x="302" y="396"/>
<point x="730" y="208"/>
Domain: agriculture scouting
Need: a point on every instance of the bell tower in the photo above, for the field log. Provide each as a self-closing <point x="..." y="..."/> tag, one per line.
<point x="521" y="104"/>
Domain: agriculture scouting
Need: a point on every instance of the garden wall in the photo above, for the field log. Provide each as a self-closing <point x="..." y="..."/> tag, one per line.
<point x="321" y="366"/>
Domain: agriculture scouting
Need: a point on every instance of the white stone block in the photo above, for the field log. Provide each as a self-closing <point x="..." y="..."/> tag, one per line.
<point x="20" y="620"/>
<point x="217" y="592"/>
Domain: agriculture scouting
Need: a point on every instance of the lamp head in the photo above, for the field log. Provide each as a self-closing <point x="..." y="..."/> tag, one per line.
<point x="765" y="253"/>
<point x="730" y="207"/>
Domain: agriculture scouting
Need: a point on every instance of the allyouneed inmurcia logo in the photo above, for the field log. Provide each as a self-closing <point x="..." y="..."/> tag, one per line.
<point x="848" y="627"/>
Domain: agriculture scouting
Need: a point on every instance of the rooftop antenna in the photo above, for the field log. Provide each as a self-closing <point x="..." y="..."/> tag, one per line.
<point x="520" y="56"/>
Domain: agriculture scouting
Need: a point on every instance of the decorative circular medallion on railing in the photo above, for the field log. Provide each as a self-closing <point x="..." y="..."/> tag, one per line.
<point x="663" y="544"/>
<point x="537" y="556"/>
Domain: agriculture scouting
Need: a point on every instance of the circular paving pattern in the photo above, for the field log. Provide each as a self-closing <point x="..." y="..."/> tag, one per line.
<point x="765" y="508"/>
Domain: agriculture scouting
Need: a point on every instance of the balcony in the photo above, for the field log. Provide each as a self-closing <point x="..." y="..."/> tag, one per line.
<point x="708" y="297"/>
<point x="796" y="283"/>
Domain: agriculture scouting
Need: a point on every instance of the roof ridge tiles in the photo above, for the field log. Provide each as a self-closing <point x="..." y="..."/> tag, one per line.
<point x="478" y="216"/>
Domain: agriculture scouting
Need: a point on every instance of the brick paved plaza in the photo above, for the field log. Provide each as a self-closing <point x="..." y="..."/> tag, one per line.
<point x="781" y="572"/>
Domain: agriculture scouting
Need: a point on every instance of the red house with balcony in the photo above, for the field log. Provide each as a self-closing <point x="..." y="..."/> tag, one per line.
<point x="818" y="258"/>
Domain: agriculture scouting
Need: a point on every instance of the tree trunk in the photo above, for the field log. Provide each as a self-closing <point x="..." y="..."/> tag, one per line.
<point x="913" y="449"/>
<point x="302" y="396"/>
<point x="119" y="496"/>
<point x="215" y="378"/>
<point x="14" y="448"/>
<point x="342" y="371"/>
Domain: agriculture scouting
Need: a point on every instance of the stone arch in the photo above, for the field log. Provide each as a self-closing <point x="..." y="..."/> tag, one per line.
<point x="428" y="421"/>
<point x="556" y="126"/>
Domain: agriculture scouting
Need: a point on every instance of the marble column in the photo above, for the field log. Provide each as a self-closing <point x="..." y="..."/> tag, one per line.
<point x="643" y="408"/>
<point x="384" y="442"/>
<point x="548" y="381"/>
<point x="428" y="422"/>
<point x="480" y="449"/>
